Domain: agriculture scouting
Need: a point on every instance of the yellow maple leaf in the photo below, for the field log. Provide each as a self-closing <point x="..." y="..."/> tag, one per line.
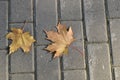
<point x="61" y="40"/>
<point x="20" y="39"/>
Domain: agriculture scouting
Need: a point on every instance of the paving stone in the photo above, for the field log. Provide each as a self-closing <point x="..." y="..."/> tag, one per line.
<point x="75" y="75"/>
<point x="45" y="18"/>
<point x="71" y="10"/>
<point x="95" y="20"/>
<point x="26" y="61"/>
<point x="3" y="65"/>
<point x="117" y="73"/>
<point x="22" y="77"/>
<point x="99" y="62"/>
<point x="115" y="39"/>
<point x="3" y="23"/>
<point x="114" y="8"/>
<point x="46" y="69"/>
<point x="76" y="27"/>
<point x="21" y="10"/>
<point x="75" y="58"/>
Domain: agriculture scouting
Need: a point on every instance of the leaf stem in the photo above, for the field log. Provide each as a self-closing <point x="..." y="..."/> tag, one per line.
<point x="75" y="48"/>
<point x="24" y="25"/>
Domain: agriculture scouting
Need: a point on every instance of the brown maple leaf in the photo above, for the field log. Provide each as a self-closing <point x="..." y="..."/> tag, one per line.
<point x="61" y="40"/>
<point x="20" y="39"/>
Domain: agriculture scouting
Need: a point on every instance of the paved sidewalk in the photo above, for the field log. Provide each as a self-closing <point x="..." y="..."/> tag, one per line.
<point x="96" y="27"/>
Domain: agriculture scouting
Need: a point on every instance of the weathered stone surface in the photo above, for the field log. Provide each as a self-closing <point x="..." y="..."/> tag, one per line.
<point x="115" y="39"/>
<point x="20" y="61"/>
<point x="22" y="77"/>
<point x="3" y="23"/>
<point x="117" y="73"/>
<point x="3" y="65"/>
<point x="45" y="18"/>
<point x="75" y="75"/>
<point x="75" y="58"/>
<point x="95" y="20"/>
<point x="114" y="8"/>
<point x="99" y="62"/>
<point x="21" y="10"/>
<point x="46" y="69"/>
<point x="71" y="9"/>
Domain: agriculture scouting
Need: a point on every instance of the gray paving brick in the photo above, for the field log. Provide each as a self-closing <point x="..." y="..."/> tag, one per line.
<point x="75" y="75"/>
<point x="114" y="8"/>
<point x="21" y="10"/>
<point x="22" y="77"/>
<point x="99" y="62"/>
<point x="3" y="23"/>
<point x="45" y="18"/>
<point x="76" y="27"/>
<point x="115" y="39"/>
<point x="21" y="62"/>
<point x="117" y="73"/>
<point x="74" y="59"/>
<point x="3" y="65"/>
<point x="71" y="10"/>
<point x="95" y="20"/>
<point x="46" y="70"/>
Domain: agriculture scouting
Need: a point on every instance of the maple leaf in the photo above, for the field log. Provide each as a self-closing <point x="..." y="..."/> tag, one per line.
<point x="61" y="40"/>
<point x="20" y="39"/>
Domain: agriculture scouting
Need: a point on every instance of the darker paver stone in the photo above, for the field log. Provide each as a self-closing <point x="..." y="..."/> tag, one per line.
<point x="21" y="10"/>
<point x="74" y="59"/>
<point x="75" y="75"/>
<point x="3" y="23"/>
<point x="3" y="65"/>
<point x="71" y="9"/>
<point x="46" y="69"/>
<point x="45" y="18"/>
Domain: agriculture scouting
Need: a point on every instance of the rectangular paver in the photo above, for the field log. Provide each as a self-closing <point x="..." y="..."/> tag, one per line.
<point x="3" y="23"/>
<point x="46" y="69"/>
<point x="117" y="73"/>
<point x="22" y="77"/>
<point x="114" y="8"/>
<point x="75" y="58"/>
<point x="99" y="62"/>
<point x="45" y="18"/>
<point x="20" y="61"/>
<point x="3" y="65"/>
<point x="71" y="9"/>
<point x="95" y="20"/>
<point x="21" y="10"/>
<point x="115" y="39"/>
<point x="75" y="75"/>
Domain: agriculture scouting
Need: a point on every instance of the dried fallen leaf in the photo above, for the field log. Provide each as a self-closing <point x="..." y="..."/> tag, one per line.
<point x="61" y="40"/>
<point x="20" y="39"/>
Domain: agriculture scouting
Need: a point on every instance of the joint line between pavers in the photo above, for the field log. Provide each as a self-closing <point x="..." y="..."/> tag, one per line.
<point x="85" y="41"/>
<point x="109" y="38"/>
